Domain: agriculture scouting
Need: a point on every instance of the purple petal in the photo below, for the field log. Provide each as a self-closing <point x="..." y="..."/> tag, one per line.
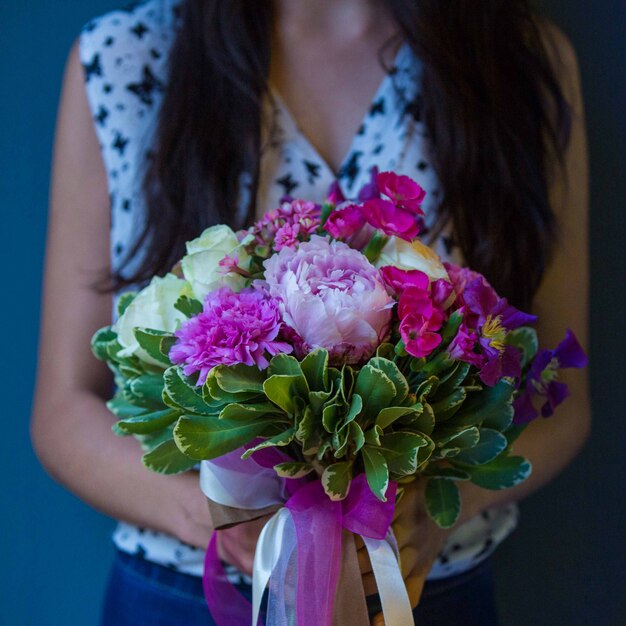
<point x="556" y="393"/>
<point x="524" y="410"/>
<point x="569" y="352"/>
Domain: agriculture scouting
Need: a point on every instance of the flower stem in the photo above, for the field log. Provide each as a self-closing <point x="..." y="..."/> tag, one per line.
<point x="375" y="245"/>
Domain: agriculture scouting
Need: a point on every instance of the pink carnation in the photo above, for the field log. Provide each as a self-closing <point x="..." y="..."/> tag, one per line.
<point x="233" y="328"/>
<point x="397" y="213"/>
<point x="332" y="296"/>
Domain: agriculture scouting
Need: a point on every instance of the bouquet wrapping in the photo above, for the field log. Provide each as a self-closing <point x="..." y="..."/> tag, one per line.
<point x="314" y="364"/>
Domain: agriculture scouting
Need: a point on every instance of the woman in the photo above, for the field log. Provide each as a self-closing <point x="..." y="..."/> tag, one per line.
<point x="170" y="111"/>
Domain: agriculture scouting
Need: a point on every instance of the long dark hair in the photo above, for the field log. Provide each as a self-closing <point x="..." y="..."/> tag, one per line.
<point x="492" y="105"/>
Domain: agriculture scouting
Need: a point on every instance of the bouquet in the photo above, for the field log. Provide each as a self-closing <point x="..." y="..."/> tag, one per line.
<point x="316" y="363"/>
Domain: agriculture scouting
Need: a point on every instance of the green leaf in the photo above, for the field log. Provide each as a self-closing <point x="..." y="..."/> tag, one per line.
<point x="513" y="432"/>
<point x="293" y="470"/>
<point x="189" y="307"/>
<point x="282" y="439"/>
<point x="237" y="379"/>
<point x="314" y="366"/>
<point x="490" y="445"/>
<point x="148" y="422"/>
<point x="445" y="408"/>
<point x="395" y="376"/>
<point x="336" y="480"/>
<point x="443" y="501"/>
<point x="356" y="435"/>
<point x="331" y="416"/>
<point x="120" y="407"/>
<point x="150" y="341"/>
<point x="501" y="473"/>
<point x="490" y="407"/>
<point x="166" y="458"/>
<point x="147" y="387"/>
<point x="208" y="437"/>
<point x="376" y="390"/>
<point x="463" y="437"/>
<point x="184" y="394"/>
<point x="400" y="449"/>
<point x="453" y="473"/>
<point x="453" y="379"/>
<point x="525" y="339"/>
<point x="281" y="391"/>
<point x="451" y="328"/>
<point x="372" y="436"/>
<point x="214" y="395"/>
<point x="376" y="471"/>
<point x="100" y="342"/>
<point x="390" y="414"/>
<point x="124" y="300"/>
<point x="248" y="412"/>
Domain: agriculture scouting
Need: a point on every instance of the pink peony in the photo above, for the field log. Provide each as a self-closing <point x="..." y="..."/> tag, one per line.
<point x="332" y="297"/>
<point x="233" y="328"/>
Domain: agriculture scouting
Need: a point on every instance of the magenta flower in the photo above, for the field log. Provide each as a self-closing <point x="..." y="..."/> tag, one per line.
<point x="420" y="321"/>
<point x="335" y="195"/>
<point x="542" y="378"/>
<point x="332" y="297"/>
<point x="398" y="280"/>
<point x="286" y="236"/>
<point x="462" y="347"/>
<point x="345" y="221"/>
<point x="397" y="213"/>
<point x="492" y="318"/>
<point x="233" y="328"/>
<point x="293" y="221"/>
<point x="370" y="190"/>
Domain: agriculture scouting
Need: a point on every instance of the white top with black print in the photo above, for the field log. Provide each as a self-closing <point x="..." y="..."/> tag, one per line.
<point x="124" y="54"/>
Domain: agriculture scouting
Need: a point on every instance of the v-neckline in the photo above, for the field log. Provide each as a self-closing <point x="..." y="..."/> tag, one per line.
<point x="294" y="130"/>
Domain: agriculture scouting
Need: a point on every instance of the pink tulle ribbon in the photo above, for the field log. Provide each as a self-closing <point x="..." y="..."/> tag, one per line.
<point x="318" y="523"/>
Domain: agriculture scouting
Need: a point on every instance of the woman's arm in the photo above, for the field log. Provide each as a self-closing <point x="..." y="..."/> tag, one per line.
<point x="71" y="426"/>
<point x="561" y="301"/>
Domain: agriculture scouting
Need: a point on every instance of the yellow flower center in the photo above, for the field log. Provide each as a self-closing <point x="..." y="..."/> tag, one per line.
<point x="550" y="373"/>
<point x="495" y="332"/>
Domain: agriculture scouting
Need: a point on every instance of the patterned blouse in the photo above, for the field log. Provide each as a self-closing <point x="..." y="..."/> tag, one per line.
<point x="124" y="56"/>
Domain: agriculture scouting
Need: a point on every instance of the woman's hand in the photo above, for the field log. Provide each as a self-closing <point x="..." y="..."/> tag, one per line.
<point x="235" y="545"/>
<point x="419" y="541"/>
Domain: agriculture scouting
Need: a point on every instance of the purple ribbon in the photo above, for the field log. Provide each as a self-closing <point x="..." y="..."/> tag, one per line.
<point x="319" y="523"/>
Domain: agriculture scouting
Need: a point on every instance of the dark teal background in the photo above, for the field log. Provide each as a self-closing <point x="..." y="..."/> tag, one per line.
<point x="566" y="565"/>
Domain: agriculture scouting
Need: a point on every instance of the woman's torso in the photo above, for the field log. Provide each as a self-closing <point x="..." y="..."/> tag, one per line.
<point x="124" y="55"/>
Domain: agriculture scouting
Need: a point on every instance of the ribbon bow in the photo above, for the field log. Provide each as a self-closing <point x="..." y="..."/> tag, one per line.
<point x="299" y="552"/>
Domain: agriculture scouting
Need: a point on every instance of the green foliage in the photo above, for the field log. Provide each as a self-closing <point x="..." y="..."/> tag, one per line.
<point x="152" y="342"/>
<point x="525" y="339"/>
<point x="166" y="458"/>
<point x="124" y="300"/>
<point x="392" y="418"/>
<point x="336" y="480"/>
<point x="208" y="437"/>
<point x="501" y="473"/>
<point x="190" y="307"/>
<point x="443" y="501"/>
<point x="146" y="423"/>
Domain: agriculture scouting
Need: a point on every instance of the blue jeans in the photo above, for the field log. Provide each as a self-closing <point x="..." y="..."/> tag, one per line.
<point x="141" y="593"/>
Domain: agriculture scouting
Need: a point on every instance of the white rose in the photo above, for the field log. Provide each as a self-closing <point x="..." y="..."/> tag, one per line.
<point x="152" y="307"/>
<point x="201" y="265"/>
<point x="412" y="255"/>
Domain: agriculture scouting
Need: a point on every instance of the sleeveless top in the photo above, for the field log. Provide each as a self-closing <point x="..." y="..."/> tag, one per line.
<point x="124" y="56"/>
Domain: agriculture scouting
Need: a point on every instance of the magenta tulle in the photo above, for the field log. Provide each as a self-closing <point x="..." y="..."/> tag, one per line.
<point x="226" y="605"/>
<point x="319" y="523"/>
